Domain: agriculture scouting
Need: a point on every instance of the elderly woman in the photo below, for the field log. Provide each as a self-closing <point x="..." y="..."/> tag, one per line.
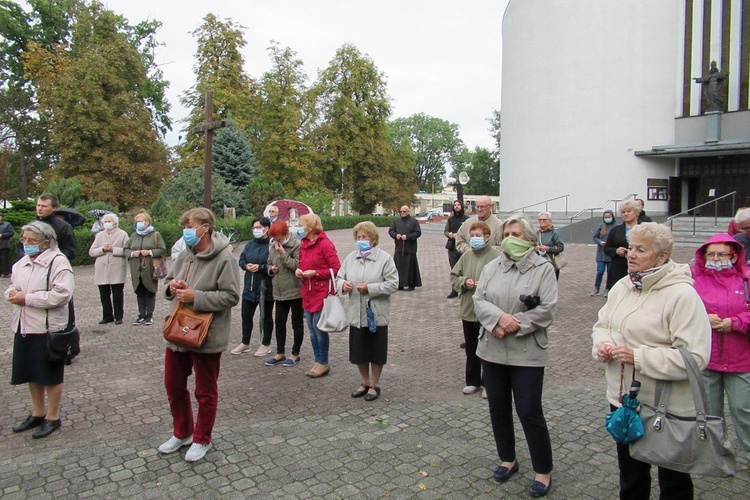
<point x="110" y="267"/>
<point x="205" y="279"/>
<point x="650" y="311"/>
<point x="283" y="261"/>
<point x="317" y="259"/>
<point x="464" y="278"/>
<point x="513" y="347"/>
<point x="369" y="276"/>
<point x="549" y="243"/>
<point x="142" y="246"/>
<point x="616" y="246"/>
<point x="721" y="279"/>
<point x="41" y="289"/>
<point x="257" y="291"/>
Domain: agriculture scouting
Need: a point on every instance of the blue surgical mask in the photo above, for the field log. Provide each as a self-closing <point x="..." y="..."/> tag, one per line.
<point x="301" y="233"/>
<point x="188" y="234"/>
<point x="476" y="242"/>
<point x="608" y="220"/>
<point x="363" y="245"/>
<point x="31" y="250"/>
<point x="140" y="225"/>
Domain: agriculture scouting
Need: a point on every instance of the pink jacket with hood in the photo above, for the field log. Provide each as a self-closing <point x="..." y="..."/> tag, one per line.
<point x="723" y="293"/>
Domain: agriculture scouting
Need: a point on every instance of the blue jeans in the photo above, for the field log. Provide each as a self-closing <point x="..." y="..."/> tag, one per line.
<point x="319" y="339"/>
<point x="601" y="268"/>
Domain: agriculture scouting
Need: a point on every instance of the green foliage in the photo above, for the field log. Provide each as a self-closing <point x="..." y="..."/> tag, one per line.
<point x="495" y="130"/>
<point x="23" y="205"/>
<point x="349" y="221"/>
<point x="261" y="191"/>
<point x="484" y="173"/>
<point x="319" y="201"/>
<point x="232" y="157"/>
<point x="68" y="191"/>
<point x="186" y="191"/>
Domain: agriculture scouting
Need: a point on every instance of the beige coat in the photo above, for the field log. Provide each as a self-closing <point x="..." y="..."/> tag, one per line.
<point x="110" y="268"/>
<point x="142" y="267"/>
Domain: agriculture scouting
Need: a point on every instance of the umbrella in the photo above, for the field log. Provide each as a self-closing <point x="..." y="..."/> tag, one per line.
<point x="98" y="212"/>
<point x="625" y="424"/>
<point x="71" y="216"/>
<point x="287" y="209"/>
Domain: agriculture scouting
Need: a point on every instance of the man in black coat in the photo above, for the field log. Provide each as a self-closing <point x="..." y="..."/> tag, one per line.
<point x="452" y="225"/>
<point x="405" y="231"/>
<point x="46" y="205"/>
<point x="642" y="217"/>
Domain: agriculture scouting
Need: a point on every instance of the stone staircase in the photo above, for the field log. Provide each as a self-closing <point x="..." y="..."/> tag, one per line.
<point x="688" y="233"/>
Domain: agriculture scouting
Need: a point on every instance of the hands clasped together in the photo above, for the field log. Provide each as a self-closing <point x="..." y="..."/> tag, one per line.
<point x="620" y="353"/>
<point x="182" y="291"/>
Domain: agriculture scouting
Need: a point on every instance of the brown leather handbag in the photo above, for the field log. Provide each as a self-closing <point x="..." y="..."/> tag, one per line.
<point x="187" y="328"/>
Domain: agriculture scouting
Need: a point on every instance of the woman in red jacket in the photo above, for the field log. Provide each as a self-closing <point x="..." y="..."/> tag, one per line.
<point x="317" y="258"/>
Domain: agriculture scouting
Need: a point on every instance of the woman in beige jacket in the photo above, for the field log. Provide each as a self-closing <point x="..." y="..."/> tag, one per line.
<point x="110" y="268"/>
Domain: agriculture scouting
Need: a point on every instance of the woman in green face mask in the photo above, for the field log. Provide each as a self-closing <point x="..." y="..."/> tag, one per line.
<point x="515" y="304"/>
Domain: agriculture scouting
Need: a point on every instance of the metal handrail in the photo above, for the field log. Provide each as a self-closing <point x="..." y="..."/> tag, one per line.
<point x="546" y="204"/>
<point x="577" y="215"/>
<point x="716" y="210"/>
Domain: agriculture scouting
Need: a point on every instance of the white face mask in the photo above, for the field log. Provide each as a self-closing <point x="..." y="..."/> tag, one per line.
<point x="109" y="226"/>
<point x="257" y="232"/>
<point x="719" y="265"/>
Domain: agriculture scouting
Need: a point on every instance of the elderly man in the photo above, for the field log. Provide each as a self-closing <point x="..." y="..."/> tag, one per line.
<point x="6" y="233"/>
<point x="273" y="213"/>
<point x="484" y="214"/>
<point x="742" y="219"/>
<point x="405" y="231"/>
<point x="642" y="217"/>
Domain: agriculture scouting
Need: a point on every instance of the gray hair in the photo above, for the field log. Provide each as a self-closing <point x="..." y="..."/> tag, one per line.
<point x="742" y="216"/>
<point x="658" y="236"/>
<point x="549" y="215"/>
<point x="112" y="216"/>
<point x="630" y="205"/>
<point x="42" y="229"/>
<point x="528" y="228"/>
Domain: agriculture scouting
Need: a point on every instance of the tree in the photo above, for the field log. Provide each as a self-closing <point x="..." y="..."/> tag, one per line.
<point x="219" y="66"/>
<point x="188" y="187"/>
<point x="495" y="130"/>
<point x="355" y="152"/>
<point x="232" y="157"/>
<point x="484" y="172"/>
<point x="320" y="202"/>
<point x="285" y="124"/>
<point x="111" y="143"/>
<point x="261" y="191"/>
<point x="434" y="141"/>
<point x="69" y="192"/>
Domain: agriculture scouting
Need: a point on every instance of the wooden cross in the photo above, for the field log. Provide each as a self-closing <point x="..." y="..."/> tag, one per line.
<point x="208" y="128"/>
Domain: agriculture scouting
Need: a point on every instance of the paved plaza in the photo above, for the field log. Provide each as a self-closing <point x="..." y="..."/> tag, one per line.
<point x="281" y="434"/>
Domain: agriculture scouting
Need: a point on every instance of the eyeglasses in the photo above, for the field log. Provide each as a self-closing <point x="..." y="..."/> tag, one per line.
<point x="28" y="241"/>
<point x="403" y="211"/>
<point x="484" y="206"/>
<point x="746" y="229"/>
<point x="719" y="255"/>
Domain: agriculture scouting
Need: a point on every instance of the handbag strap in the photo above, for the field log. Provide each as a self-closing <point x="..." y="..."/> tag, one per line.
<point x="664" y="388"/>
<point x="747" y="294"/>
<point x="331" y="283"/>
<point x="70" y="305"/>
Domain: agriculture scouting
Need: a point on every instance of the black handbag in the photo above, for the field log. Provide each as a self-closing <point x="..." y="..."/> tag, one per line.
<point x="64" y="344"/>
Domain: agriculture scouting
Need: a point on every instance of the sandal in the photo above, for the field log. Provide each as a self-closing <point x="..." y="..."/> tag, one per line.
<point x="361" y="391"/>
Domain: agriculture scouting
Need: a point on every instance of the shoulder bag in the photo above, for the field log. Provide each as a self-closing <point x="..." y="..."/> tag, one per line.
<point x="558" y="261"/>
<point x="693" y="445"/>
<point x="64" y="344"/>
<point x="333" y="316"/>
<point x="159" y="271"/>
<point x="185" y="327"/>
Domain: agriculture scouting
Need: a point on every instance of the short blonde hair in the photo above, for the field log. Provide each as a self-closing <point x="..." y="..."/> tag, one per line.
<point x="369" y="229"/>
<point x="312" y="223"/>
<point x="146" y="217"/>
<point x="630" y="205"/>
<point x="657" y="236"/>
<point x="200" y="215"/>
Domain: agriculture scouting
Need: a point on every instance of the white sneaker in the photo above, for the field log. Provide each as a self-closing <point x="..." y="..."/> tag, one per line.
<point x="196" y="452"/>
<point x="484" y="393"/>
<point x="594" y="293"/>
<point x="174" y="444"/>
<point x="606" y="293"/>
<point x="470" y="389"/>
<point x="241" y="349"/>
<point x="263" y="350"/>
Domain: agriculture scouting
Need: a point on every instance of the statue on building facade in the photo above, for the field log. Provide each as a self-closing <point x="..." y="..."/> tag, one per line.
<point x="713" y="86"/>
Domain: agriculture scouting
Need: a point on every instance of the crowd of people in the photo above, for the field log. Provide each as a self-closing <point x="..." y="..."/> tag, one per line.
<point x="505" y="274"/>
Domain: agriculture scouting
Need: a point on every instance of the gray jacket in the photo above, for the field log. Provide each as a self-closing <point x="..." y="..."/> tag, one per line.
<point x="216" y="278"/>
<point x="6" y="230"/>
<point x="500" y="286"/>
<point x="285" y="285"/>
<point x="379" y="272"/>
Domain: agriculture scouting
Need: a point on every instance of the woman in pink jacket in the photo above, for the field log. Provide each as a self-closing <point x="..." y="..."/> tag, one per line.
<point x="317" y="257"/>
<point x="721" y="279"/>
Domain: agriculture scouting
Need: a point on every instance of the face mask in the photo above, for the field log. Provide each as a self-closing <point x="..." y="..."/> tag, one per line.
<point x="608" y="220"/>
<point x="31" y="250"/>
<point x="140" y="225"/>
<point x="363" y="245"/>
<point x="516" y="248"/>
<point x="257" y="232"/>
<point x="476" y="242"/>
<point x="719" y="265"/>
<point x="191" y="239"/>
<point x="109" y="226"/>
<point x="301" y="233"/>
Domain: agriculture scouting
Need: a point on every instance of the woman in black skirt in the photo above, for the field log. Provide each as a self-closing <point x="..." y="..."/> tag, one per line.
<point x="41" y="287"/>
<point x="369" y="276"/>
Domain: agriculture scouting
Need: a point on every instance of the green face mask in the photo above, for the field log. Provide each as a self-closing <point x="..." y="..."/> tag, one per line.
<point x="516" y="248"/>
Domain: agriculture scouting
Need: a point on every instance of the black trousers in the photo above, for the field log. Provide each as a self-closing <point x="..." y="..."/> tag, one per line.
<point x="248" y="312"/>
<point x="504" y="384"/>
<point x="4" y="264"/>
<point x="146" y="301"/>
<point x="111" y="297"/>
<point x="635" y="478"/>
<point x="298" y="325"/>
<point x="473" y="363"/>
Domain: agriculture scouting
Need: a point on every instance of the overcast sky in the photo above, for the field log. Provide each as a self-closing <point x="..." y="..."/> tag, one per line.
<point x="440" y="57"/>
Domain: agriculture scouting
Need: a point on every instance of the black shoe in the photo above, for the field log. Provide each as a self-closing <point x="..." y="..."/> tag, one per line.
<point x="361" y="392"/>
<point x="502" y="474"/>
<point x="409" y="289"/>
<point x="452" y="295"/>
<point x="29" y="423"/>
<point x="373" y="397"/>
<point x="539" y="489"/>
<point x="105" y="321"/>
<point x="462" y="345"/>
<point x="47" y="428"/>
<point x="118" y="322"/>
